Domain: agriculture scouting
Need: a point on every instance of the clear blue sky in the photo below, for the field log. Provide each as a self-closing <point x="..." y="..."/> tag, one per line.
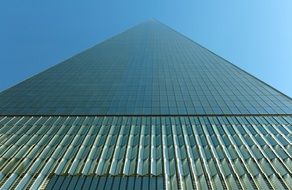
<point x="254" y="35"/>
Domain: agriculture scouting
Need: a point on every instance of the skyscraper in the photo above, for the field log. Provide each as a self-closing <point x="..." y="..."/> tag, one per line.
<point x="146" y="109"/>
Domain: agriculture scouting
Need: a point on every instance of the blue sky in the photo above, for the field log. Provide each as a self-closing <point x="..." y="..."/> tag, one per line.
<point x="254" y="35"/>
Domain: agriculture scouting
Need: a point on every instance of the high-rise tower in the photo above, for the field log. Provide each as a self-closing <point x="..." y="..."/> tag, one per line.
<point x="146" y="109"/>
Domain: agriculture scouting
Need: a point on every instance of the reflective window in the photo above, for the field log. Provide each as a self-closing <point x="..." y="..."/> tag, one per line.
<point x="149" y="69"/>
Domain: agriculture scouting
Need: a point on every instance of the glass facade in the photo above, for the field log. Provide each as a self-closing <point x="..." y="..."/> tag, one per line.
<point x="149" y="69"/>
<point x="146" y="109"/>
<point x="105" y="183"/>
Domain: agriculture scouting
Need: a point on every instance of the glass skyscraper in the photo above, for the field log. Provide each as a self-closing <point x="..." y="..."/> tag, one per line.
<point x="146" y="109"/>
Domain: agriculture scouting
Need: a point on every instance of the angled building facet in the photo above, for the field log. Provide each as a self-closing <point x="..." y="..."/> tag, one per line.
<point x="146" y="109"/>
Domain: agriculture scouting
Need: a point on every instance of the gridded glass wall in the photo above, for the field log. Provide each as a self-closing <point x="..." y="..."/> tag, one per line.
<point x="105" y="183"/>
<point x="149" y="69"/>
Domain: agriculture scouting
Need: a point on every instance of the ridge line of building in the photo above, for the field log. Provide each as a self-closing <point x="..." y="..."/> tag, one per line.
<point x="290" y="98"/>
